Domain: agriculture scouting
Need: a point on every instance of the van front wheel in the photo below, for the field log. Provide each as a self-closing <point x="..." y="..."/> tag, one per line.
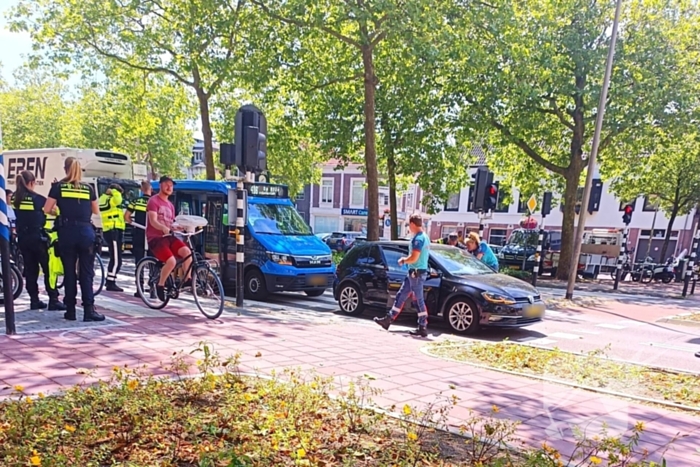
<point x="255" y="287"/>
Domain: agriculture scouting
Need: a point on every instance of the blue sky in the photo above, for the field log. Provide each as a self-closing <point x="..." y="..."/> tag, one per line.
<point x="13" y="46"/>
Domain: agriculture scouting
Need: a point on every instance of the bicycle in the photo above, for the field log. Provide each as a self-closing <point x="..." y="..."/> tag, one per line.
<point x="206" y="285"/>
<point x="17" y="283"/>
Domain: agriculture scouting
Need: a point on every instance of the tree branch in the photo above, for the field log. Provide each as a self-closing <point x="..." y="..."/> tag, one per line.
<point x="336" y="81"/>
<point x="534" y="155"/>
<point x="555" y="110"/>
<point x="605" y="142"/>
<point x="304" y="24"/>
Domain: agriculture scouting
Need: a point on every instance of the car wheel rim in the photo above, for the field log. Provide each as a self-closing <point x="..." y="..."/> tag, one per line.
<point x="461" y="316"/>
<point x="349" y="299"/>
<point x="254" y="285"/>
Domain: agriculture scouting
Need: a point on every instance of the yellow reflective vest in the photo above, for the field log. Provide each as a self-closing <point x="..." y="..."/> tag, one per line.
<point x="55" y="263"/>
<point x="111" y="211"/>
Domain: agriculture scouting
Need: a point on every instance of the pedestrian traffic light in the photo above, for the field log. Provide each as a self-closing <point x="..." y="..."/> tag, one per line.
<point x="627" y="214"/>
<point x="491" y="198"/>
<point x="251" y="139"/>
<point x="547" y="203"/>
<point x="484" y="179"/>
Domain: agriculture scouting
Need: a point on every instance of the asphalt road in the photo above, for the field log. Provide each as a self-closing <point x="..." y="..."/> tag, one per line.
<point x="628" y="328"/>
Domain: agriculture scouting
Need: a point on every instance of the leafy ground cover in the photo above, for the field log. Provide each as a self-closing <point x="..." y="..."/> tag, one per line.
<point x="695" y="317"/>
<point x="221" y="418"/>
<point x="591" y="370"/>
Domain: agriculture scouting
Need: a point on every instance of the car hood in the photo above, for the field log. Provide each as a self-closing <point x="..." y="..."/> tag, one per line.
<point x="517" y="250"/>
<point x="304" y="245"/>
<point x="500" y="283"/>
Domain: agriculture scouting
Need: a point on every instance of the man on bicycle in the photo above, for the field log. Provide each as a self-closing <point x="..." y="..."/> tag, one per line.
<point x="163" y="245"/>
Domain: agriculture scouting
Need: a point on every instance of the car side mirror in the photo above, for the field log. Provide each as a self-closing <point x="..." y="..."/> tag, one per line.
<point x="434" y="274"/>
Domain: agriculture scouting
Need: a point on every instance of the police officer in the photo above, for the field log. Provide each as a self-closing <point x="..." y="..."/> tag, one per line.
<point x="453" y="240"/>
<point x="113" y="226"/>
<point x="33" y="240"/>
<point x="76" y="237"/>
<point x="136" y="213"/>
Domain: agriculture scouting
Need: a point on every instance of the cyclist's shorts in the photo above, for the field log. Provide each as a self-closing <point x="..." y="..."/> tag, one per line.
<point x="165" y="248"/>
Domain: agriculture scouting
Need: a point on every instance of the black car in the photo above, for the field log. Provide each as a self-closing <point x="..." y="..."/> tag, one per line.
<point x="466" y="292"/>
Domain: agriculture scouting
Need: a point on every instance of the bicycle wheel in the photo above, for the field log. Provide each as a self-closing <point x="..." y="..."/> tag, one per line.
<point x="17" y="284"/>
<point x="647" y="276"/>
<point x="147" y="275"/>
<point x="99" y="280"/>
<point x="208" y="291"/>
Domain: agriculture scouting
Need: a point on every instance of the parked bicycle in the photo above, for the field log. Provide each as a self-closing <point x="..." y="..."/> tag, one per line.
<point x="206" y="286"/>
<point x="626" y="268"/>
<point x="17" y="283"/>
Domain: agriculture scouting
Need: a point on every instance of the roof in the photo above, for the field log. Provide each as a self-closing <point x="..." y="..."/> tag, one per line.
<point x="201" y="185"/>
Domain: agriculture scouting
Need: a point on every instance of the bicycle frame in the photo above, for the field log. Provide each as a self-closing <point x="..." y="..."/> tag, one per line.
<point x="171" y="282"/>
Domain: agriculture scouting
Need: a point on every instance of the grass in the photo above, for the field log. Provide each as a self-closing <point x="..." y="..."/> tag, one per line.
<point x="695" y="317"/>
<point x="221" y="418"/>
<point x="591" y="370"/>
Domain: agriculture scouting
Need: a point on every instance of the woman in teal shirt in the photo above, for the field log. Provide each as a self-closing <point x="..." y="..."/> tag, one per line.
<point x="481" y="250"/>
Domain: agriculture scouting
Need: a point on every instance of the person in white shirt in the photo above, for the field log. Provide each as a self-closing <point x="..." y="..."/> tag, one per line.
<point x="10" y="211"/>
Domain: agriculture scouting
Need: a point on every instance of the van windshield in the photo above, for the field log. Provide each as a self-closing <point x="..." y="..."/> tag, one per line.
<point x="526" y="238"/>
<point x="276" y="219"/>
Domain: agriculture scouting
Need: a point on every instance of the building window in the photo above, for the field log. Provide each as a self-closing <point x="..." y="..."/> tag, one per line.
<point x="649" y="204"/>
<point x="325" y="224"/>
<point x="498" y="236"/>
<point x="409" y="202"/>
<point x="452" y="203"/>
<point x="327" y="191"/>
<point x="383" y="199"/>
<point x="355" y="224"/>
<point x="300" y="195"/>
<point x="357" y="193"/>
<point x="522" y="204"/>
<point x="501" y="205"/>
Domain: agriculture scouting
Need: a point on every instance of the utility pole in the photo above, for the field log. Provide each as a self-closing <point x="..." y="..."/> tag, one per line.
<point x="594" y="153"/>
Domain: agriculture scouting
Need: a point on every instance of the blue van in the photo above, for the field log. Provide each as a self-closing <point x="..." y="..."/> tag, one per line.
<point x="281" y="252"/>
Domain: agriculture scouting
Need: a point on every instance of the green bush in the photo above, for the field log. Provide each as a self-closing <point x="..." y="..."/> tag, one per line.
<point x="518" y="273"/>
<point x="338" y="257"/>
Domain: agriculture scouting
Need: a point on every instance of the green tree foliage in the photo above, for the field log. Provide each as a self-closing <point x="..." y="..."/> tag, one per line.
<point x="527" y="76"/>
<point x="198" y="43"/>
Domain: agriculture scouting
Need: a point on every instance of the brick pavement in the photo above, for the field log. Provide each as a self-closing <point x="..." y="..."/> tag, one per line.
<point x="44" y="360"/>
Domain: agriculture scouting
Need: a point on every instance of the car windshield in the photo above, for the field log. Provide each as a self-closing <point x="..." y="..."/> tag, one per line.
<point x="276" y="219"/>
<point x="526" y="238"/>
<point x="459" y="262"/>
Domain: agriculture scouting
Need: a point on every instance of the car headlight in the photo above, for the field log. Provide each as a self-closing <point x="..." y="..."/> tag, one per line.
<point x="499" y="255"/>
<point x="280" y="258"/>
<point x="498" y="298"/>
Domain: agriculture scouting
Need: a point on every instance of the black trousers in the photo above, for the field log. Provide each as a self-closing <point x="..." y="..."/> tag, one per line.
<point x="36" y="255"/>
<point x="77" y="245"/>
<point x="139" y="245"/>
<point x="114" y="239"/>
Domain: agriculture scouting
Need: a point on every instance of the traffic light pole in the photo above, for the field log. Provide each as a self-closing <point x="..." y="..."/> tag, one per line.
<point x="621" y="256"/>
<point x="481" y="225"/>
<point x="691" y="263"/>
<point x="538" y="254"/>
<point x="240" y="239"/>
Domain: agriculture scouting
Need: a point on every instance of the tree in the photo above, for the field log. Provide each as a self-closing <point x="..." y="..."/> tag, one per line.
<point x="527" y="76"/>
<point x="196" y="43"/>
<point x="335" y="43"/>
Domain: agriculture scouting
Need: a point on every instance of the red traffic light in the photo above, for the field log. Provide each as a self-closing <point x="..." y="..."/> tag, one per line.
<point x="629" y="209"/>
<point x="493" y="190"/>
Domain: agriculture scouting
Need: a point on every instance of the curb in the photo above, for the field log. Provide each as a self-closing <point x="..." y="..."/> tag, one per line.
<point x="680" y="322"/>
<point x="545" y="379"/>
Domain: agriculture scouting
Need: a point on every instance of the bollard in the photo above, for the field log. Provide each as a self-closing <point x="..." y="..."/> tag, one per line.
<point x="620" y="258"/>
<point x="5" y="250"/>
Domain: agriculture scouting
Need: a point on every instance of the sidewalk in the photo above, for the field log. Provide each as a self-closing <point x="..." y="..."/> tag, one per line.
<point x="45" y="360"/>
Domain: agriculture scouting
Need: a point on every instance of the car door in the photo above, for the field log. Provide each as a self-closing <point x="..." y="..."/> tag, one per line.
<point x="376" y="282"/>
<point x="395" y="272"/>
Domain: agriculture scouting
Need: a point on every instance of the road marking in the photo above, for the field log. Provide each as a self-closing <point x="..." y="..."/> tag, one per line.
<point x="565" y="335"/>
<point x="542" y="341"/>
<point x="683" y="348"/>
<point x="610" y="326"/>
<point x="587" y="331"/>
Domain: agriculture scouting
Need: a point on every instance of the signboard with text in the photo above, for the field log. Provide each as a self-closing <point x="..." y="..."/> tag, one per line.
<point x="353" y="212"/>
<point x="266" y="190"/>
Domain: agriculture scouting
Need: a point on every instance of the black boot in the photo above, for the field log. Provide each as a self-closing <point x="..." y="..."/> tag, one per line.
<point x="37" y="305"/>
<point x="421" y="331"/>
<point x="55" y="305"/>
<point x="384" y="322"/>
<point x="112" y="286"/>
<point x="89" y="314"/>
<point x="69" y="314"/>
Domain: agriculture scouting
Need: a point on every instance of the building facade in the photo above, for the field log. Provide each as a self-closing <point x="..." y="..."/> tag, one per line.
<point x="197" y="168"/>
<point x="339" y="203"/>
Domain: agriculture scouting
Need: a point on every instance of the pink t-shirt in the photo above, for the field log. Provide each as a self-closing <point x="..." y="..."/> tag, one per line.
<point x="166" y="215"/>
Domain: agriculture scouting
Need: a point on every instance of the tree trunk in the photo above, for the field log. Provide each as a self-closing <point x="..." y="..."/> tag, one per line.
<point x="391" y="172"/>
<point x="567" y="226"/>
<point x="370" y="145"/>
<point x="208" y="135"/>
<point x="667" y="238"/>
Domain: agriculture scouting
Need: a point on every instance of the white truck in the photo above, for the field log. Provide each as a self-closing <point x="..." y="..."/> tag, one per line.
<point x="100" y="169"/>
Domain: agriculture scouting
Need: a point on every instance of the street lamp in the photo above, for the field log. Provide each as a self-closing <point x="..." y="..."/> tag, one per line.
<point x="594" y="153"/>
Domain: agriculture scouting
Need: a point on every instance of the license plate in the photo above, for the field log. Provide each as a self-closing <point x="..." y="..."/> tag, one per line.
<point x="317" y="280"/>
<point x="533" y="311"/>
<point x="514" y="267"/>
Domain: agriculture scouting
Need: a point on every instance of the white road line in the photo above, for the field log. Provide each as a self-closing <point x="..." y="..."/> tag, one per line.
<point x="587" y="331"/>
<point x="565" y="335"/>
<point x="540" y="342"/>
<point x="610" y="326"/>
<point x="683" y="348"/>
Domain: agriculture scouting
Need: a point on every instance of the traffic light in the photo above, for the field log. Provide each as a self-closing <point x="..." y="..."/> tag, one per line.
<point x="484" y="179"/>
<point x="251" y="139"/>
<point x="547" y="203"/>
<point x="491" y="198"/>
<point x="627" y="214"/>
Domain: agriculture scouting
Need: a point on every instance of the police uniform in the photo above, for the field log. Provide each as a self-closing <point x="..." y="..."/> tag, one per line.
<point x="33" y="243"/>
<point x="113" y="226"/>
<point x="76" y="238"/>
<point x="137" y="208"/>
<point x="446" y="241"/>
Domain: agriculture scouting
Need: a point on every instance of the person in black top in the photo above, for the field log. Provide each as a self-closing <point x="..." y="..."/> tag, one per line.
<point x="76" y="202"/>
<point x="136" y="214"/>
<point x="33" y="241"/>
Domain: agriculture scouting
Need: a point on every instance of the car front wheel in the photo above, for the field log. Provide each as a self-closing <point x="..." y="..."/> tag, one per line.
<point x="350" y="300"/>
<point x="462" y="316"/>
